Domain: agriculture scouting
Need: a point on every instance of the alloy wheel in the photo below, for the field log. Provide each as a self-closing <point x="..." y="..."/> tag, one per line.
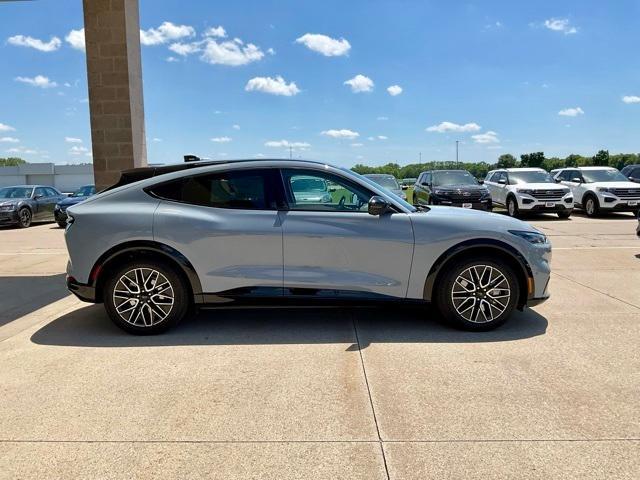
<point x="512" y="208"/>
<point x="590" y="206"/>
<point x="481" y="294"/>
<point x="25" y="217"/>
<point x="143" y="297"/>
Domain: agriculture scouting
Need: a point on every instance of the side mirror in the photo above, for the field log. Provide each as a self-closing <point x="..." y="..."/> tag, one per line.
<point x="424" y="184"/>
<point x="634" y="179"/>
<point x="502" y="181"/>
<point x="38" y="196"/>
<point x="557" y="179"/>
<point x="481" y="182"/>
<point x="378" y="205"/>
<point x="405" y="187"/>
<point x="576" y="180"/>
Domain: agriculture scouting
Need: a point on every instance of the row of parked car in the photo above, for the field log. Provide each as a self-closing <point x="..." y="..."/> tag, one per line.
<point x="533" y="190"/>
<point x="22" y="205"/>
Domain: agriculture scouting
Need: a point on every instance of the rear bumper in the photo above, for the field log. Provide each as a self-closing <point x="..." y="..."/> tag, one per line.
<point x="532" y="302"/>
<point x="86" y="293"/>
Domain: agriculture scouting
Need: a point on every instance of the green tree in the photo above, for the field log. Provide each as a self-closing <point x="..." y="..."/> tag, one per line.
<point x="506" y="161"/>
<point x="11" y="162"/>
<point x="601" y="159"/>
<point x="535" y="160"/>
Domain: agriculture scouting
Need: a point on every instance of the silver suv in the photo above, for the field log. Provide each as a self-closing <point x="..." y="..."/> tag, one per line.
<point x="211" y="233"/>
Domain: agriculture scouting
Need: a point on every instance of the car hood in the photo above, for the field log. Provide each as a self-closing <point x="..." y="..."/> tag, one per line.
<point x="464" y="220"/>
<point x="616" y="185"/>
<point x="541" y="186"/>
<point x="67" y="202"/>
<point x="462" y="188"/>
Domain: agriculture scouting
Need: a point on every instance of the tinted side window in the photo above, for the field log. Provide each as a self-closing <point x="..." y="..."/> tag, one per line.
<point x="427" y="177"/>
<point x="635" y="173"/>
<point x="488" y="177"/>
<point x="235" y="189"/>
<point x="51" y="192"/>
<point x="40" y="192"/>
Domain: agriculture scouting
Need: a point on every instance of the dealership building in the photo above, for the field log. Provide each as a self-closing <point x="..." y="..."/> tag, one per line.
<point x="66" y="178"/>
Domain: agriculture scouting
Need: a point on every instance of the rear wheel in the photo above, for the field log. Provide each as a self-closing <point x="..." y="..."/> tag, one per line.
<point x="591" y="207"/>
<point x="146" y="298"/>
<point x="24" y="217"/>
<point x="478" y="294"/>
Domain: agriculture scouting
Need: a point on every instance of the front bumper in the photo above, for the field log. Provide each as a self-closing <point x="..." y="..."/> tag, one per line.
<point x="612" y="203"/>
<point x="9" y="218"/>
<point x="530" y="203"/>
<point x="475" y="205"/>
<point x="60" y="215"/>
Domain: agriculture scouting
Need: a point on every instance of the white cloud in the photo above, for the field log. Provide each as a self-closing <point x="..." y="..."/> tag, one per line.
<point x="6" y="128"/>
<point x="217" y="32"/>
<point x="235" y="127"/>
<point x="156" y="139"/>
<point x="184" y="49"/>
<point x="39" y="81"/>
<point x="271" y="51"/>
<point x="286" y="144"/>
<point x="343" y="133"/>
<point x="30" y="42"/>
<point x="382" y="137"/>
<point x="233" y="53"/>
<point x="571" y="112"/>
<point x="23" y="150"/>
<point x="382" y="118"/>
<point x="274" y="86"/>
<point x="172" y="59"/>
<point x="165" y="33"/>
<point x="221" y="139"/>
<point x="560" y="25"/>
<point x="327" y="46"/>
<point x="9" y="140"/>
<point x="487" y="137"/>
<point x="394" y="90"/>
<point x="631" y="99"/>
<point x="76" y="150"/>
<point x="453" y="127"/>
<point x="72" y="140"/>
<point x="360" y="83"/>
<point x="75" y="38"/>
<point x="356" y="145"/>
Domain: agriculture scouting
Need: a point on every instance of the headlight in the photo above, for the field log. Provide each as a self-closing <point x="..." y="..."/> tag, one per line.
<point x="524" y="190"/>
<point x="57" y="207"/>
<point x="533" y="237"/>
<point x="8" y="208"/>
<point x="326" y="198"/>
<point x="602" y="189"/>
<point x="439" y="192"/>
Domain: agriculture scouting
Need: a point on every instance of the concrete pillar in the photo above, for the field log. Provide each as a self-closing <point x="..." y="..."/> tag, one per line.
<point x="114" y="70"/>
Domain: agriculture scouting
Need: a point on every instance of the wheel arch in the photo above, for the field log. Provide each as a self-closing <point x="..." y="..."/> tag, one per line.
<point x="471" y="248"/>
<point x="146" y="249"/>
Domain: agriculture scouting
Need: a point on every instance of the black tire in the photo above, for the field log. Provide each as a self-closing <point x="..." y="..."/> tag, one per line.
<point x="147" y="321"/>
<point x="25" y="217"/>
<point x="565" y="214"/>
<point x="478" y="321"/>
<point x="591" y="206"/>
<point x="62" y="224"/>
<point x="512" y="207"/>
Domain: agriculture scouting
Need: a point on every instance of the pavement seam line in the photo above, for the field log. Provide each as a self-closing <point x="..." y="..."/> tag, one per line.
<point x="595" y="290"/>
<point x="240" y="442"/>
<point x="373" y="410"/>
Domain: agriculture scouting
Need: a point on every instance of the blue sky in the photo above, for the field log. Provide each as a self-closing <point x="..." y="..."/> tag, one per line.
<point x="500" y="76"/>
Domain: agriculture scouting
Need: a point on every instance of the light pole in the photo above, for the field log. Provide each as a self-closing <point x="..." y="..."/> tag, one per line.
<point x="457" y="142"/>
<point x="420" y="157"/>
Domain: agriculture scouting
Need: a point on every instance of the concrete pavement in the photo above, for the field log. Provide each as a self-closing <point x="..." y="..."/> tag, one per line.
<point x="326" y="393"/>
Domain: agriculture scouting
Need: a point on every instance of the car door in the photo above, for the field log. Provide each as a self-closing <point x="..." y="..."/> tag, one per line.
<point x="500" y="187"/>
<point x="226" y="224"/>
<point x="40" y="204"/>
<point x="490" y="184"/>
<point x="338" y="246"/>
<point x="51" y="199"/>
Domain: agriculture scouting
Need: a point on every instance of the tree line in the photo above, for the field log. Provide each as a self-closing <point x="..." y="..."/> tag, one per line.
<point x="480" y="169"/>
<point x="11" y="162"/>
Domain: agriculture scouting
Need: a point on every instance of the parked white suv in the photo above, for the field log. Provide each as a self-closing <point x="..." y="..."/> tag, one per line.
<point x="528" y="190"/>
<point x="600" y="189"/>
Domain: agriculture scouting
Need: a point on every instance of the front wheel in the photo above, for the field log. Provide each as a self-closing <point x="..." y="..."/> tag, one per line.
<point x="512" y="207"/>
<point x="565" y="214"/>
<point x="591" y="206"/>
<point x="146" y="298"/>
<point x="24" y="218"/>
<point x="478" y="294"/>
<point x="62" y="224"/>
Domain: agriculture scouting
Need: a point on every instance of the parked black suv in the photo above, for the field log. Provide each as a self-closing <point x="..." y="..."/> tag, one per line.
<point x="80" y="195"/>
<point x="456" y="188"/>
<point x="632" y="172"/>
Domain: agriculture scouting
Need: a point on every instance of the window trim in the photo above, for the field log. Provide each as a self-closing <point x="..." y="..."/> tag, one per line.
<point x="272" y="198"/>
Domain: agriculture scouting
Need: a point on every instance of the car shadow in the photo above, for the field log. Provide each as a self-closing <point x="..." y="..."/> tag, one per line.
<point x="607" y="216"/>
<point x="22" y="295"/>
<point x="90" y="327"/>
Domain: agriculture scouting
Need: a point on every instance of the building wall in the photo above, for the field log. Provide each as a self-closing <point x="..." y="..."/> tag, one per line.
<point x="65" y="178"/>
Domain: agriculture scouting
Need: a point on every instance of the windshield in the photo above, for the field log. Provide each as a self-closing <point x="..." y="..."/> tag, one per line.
<point x="16" y="192"/>
<point x="368" y="181"/>
<point x="385" y="181"/>
<point x="516" y="178"/>
<point x="441" y="179"/>
<point x="85" y="191"/>
<point x="604" y="175"/>
<point x="309" y="185"/>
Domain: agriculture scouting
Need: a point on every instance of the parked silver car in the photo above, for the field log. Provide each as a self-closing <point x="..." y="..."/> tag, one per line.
<point x="229" y="231"/>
